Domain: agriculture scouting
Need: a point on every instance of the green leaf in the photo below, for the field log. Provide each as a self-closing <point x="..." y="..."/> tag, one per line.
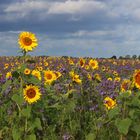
<point x="113" y="112"/>
<point x="131" y="113"/>
<point x="136" y="128"/>
<point x="37" y="123"/>
<point x="18" y="99"/>
<point x="91" y="136"/>
<point x="135" y="102"/>
<point x="7" y="84"/>
<point x="15" y="134"/>
<point x="123" y="125"/>
<point x="26" y="112"/>
<point x="31" y="137"/>
<point x="15" y="74"/>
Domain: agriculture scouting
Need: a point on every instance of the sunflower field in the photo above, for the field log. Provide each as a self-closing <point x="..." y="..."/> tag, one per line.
<point x="67" y="98"/>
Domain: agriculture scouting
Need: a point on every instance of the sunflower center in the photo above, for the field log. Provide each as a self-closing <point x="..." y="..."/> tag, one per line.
<point x="81" y="63"/>
<point x="124" y="86"/>
<point x="49" y="76"/>
<point x="93" y="64"/>
<point x="31" y="93"/>
<point x="138" y="78"/>
<point x="27" y="41"/>
<point x="109" y="103"/>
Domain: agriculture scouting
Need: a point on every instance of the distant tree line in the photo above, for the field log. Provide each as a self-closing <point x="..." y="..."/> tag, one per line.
<point x="126" y="57"/>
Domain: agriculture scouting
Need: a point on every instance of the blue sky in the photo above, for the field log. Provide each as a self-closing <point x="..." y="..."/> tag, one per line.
<point x="95" y="28"/>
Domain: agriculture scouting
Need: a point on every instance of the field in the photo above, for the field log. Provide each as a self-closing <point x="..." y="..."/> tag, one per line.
<point x="67" y="98"/>
<point x="81" y="98"/>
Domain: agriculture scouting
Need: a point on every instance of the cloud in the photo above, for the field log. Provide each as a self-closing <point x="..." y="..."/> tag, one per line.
<point x="76" y="7"/>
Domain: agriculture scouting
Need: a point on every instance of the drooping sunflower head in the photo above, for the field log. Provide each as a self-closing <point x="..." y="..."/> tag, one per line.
<point x="109" y="103"/>
<point x="136" y="78"/>
<point x="82" y="62"/>
<point x="31" y="93"/>
<point x="27" y="41"/>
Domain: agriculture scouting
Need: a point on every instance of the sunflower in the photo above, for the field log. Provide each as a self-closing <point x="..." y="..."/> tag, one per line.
<point x="109" y="103"/>
<point x="75" y="77"/>
<point x="70" y="61"/>
<point x="31" y="93"/>
<point x="109" y="79"/>
<point x="125" y="85"/>
<point x="93" y="64"/>
<point x="6" y="65"/>
<point x="58" y="74"/>
<point x="136" y="78"/>
<point x="86" y="67"/>
<point x="37" y="74"/>
<point x="97" y="77"/>
<point x="82" y="62"/>
<point x="49" y="76"/>
<point x="27" y="71"/>
<point x="8" y="75"/>
<point x="117" y="79"/>
<point x="27" y="41"/>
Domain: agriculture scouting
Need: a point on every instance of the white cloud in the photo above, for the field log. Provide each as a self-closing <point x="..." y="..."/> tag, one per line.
<point x="74" y="7"/>
<point x="65" y="7"/>
<point x="26" y="6"/>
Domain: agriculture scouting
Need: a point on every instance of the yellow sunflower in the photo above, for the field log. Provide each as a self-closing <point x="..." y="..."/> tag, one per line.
<point x="27" y="71"/>
<point x="125" y="85"/>
<point x="136" y="78"/>
<point x="109" y="103"/>
<point x="82" y="62"/>
<point x="27" y="41"/>
<point x="37" y="74"/>
<point x="117" y="79"/>
<point x="31" y="93"/>
<point x="58" y="74"/>
<point x="75" y="77"/>
<point x="93" y="64"/>
<point x="8" y="75"/>
<point x="49" y="76"/>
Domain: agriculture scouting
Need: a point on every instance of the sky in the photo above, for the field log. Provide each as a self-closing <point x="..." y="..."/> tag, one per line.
<point x="79" y="28"/>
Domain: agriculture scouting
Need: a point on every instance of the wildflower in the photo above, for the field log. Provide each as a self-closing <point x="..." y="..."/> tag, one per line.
<point x="31" y="93"/>
<point x="27" y="41"/>
<point x="109" y="103"/>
